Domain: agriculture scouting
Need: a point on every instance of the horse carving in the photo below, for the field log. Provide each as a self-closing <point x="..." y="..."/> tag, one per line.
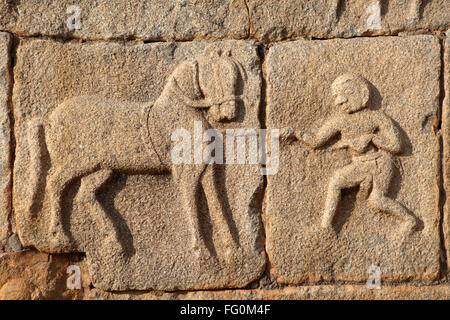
<point x="90" y="138"/>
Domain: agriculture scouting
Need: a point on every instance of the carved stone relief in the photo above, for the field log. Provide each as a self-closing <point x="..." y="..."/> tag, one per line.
<point x="372" y="138"/>
<point x="356" y="185"/>
<point x="94" y="171"/>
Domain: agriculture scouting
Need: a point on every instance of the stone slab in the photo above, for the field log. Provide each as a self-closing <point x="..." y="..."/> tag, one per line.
<point x="277" y="20"/>
<point x="121" y="19"/>
<point x="135" y="226"/>
<point x="382" y="161"/>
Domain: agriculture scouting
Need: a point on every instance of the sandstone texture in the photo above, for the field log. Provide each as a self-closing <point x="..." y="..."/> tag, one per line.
<point x="5" y="169"/>
<point x="97" y="136"/>
<point x="147" y="20"/>
<point x="357" y="185"/>
<point x="278" y="20"/>
<point x="236" y="149"/>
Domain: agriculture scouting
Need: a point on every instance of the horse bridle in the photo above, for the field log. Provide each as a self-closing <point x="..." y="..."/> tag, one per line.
<point x="201" y="103"/>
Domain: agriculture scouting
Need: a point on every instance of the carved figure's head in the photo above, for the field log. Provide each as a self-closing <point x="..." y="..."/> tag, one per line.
<point x="351" y="92"/>
<point x="211" y="81"/>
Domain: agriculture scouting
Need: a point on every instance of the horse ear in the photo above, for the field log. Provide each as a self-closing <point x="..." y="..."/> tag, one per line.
<point x="213" y="51"/>
<point x="241" y="70"/>
<point x="186" y="79"/>
<point x="195" y="79"/>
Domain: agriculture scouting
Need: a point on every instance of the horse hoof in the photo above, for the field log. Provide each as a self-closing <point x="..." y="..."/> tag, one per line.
<point x="59" y="241"/>
<point x="327" y="230"/>
<point x="202" y="253"/>
<point x="113" y="245"/>
<point x="410" y="226"/>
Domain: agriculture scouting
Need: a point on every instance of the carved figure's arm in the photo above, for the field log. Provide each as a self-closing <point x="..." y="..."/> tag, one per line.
<point x="324" y="134"/>
<point x="388" y="137"/>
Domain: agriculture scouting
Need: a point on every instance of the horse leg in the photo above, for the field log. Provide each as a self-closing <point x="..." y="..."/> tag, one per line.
<point x="90" y="184"/>
<point x="219" y="209"/>
<point x="57" y="182"/>
<point x="187" y="177"/>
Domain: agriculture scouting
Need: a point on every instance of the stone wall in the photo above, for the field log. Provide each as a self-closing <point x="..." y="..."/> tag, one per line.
<point x="240" y="149"/>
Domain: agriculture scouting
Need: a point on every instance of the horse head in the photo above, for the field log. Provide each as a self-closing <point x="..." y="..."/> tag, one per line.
<point x="211" y="81"/>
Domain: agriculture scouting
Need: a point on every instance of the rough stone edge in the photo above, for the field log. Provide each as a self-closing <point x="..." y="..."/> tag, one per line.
<point x="445" y="143"/>
<point x="248" y="33"/>
<point x="6" y="192"/>
<point x="243" y="34"/>
<point x="325" y="292"/>
<point x="331" y="34"/>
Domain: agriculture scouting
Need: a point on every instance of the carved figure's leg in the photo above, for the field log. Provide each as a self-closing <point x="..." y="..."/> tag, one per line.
<point x="187" y="177"/>
<point x="346" y="177"/>
<point x="90" y="184"/>
<point x="379" y="200"/>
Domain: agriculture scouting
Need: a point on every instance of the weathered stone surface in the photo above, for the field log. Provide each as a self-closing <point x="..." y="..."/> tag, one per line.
<point x="276" y="20"/>
<point x="356" y="186"/>
<point x="148" y="20"/>
<point x="93" y="171"/>
<point x="35" y="275"/>
<point x="5" y="170"/>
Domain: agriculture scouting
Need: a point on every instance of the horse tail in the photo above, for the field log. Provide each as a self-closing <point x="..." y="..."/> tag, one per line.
<point x="36" y="140"/>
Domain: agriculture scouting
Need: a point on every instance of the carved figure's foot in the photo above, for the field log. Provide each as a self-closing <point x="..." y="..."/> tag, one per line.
<point x="409" y="226"/>
<point x="327" y="220"/>
<point x="328" y="229"/>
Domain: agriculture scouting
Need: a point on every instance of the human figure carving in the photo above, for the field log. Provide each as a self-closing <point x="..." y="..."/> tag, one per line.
<point x="372" y="139"/>
<point x="91" y="137"/>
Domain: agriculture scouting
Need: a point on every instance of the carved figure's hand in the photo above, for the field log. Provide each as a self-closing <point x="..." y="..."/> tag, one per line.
<point x="365" y="188"/>
<point x="287" y="134"/>
<point x="362" y="142"/>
